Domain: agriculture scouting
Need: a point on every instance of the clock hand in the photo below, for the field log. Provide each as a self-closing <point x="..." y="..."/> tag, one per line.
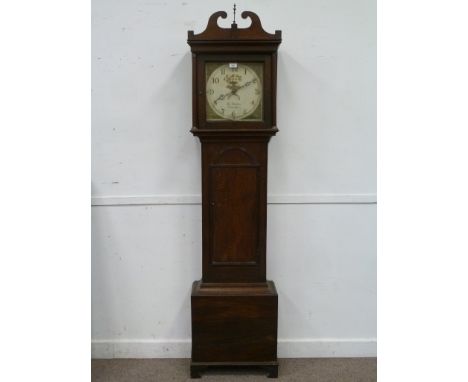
<point x="221" y="97"/>
<point x="245" y="85"/>
<point x="234" y="90"/>
<point x="228" y="95"/>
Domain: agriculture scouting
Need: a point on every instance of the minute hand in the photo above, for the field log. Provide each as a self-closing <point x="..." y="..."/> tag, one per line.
<point x="246" y="84"/>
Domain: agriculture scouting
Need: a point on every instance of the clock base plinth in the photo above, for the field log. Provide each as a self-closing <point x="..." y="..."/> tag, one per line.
<point x="234" y="324"/>
<point x="197" y="368"/>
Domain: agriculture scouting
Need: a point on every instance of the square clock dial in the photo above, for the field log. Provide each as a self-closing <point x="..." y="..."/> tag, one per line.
<point x="234" y="91"/>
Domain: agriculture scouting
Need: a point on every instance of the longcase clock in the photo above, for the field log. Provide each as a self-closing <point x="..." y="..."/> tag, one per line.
<point x="234" y="307"/>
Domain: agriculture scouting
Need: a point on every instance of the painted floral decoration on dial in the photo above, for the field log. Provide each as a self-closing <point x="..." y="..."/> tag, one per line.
<point x="234" y="91"/>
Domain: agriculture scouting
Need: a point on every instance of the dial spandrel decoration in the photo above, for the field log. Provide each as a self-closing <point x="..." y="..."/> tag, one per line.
<point x="234" y="91"/>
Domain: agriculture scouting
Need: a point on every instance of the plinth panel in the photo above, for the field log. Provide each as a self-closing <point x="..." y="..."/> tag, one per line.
<point x="234" y="323"/>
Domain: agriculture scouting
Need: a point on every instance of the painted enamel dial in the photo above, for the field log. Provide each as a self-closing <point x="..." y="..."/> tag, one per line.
<point x="234" y="92"/>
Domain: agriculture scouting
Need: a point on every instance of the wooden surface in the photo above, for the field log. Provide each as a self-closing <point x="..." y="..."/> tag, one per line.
<point x="269" y="83"/>
<point x="234" y="176"/>
<point x="214" y="33"/>
<point x="234" y="324"/>
<point x="234" y="155"/>
<point x="234" y="308"/>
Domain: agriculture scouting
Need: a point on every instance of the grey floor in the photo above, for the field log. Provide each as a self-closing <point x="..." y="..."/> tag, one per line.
<point x="174" y="370"/>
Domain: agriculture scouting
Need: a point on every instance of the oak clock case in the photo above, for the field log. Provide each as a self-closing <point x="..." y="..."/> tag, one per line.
<point x="234" y="307"/>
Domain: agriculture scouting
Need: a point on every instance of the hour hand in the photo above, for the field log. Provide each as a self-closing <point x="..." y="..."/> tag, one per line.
<point x="222" y="97"/>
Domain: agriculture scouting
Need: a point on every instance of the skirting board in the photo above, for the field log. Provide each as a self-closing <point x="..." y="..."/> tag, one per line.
<point x="148" y="200"/>
<point x="303" y="348"/>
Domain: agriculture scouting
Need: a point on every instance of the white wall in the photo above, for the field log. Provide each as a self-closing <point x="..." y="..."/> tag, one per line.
<point x="146" y="239"/>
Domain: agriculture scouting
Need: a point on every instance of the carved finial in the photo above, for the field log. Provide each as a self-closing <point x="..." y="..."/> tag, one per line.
<point x="234" y="22"/>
